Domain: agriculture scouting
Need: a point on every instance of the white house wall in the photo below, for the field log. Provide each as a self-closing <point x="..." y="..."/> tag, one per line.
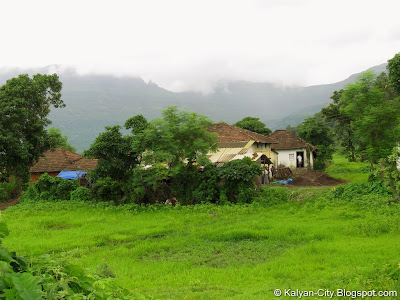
<point x="288" y="158"/>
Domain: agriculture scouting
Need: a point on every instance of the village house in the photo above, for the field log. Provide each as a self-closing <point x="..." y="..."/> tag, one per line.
<point x="293" y="152"/>
<point x="237" y="143"/>
<point x="55" y="161"/>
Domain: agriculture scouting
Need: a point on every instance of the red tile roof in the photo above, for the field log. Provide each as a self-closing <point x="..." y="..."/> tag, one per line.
<point x="287" y="140"/>
<point x="229" y="133"/>
<point x="62" y="159"/>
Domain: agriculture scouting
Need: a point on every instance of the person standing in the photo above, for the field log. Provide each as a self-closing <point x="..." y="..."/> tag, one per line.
<point x="299" y="161"/>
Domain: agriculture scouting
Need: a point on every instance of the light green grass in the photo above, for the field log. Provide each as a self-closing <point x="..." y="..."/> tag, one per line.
<point x="219" y="252"/>
<point x="341" y="168"/>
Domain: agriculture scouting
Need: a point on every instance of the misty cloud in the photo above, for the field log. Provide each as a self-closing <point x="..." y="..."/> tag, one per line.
<point x="191" y="45"/>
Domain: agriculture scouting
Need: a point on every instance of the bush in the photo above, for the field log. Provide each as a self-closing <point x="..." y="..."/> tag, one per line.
<point x="106" y="189"/>
<point x="48" y="188"/>
<point x="192" y="186"/>
<point x="238" y="177"/>
<point x="62" y="188"/>
<point x="8" y="191"/>
<point x="81" y="194"/>
<point x="352" y="191"/>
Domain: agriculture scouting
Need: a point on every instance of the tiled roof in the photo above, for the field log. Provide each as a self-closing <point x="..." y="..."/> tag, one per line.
<point x="287" y="140"/>
<point x="229" y="133"/>
<point x="62" y="159"/>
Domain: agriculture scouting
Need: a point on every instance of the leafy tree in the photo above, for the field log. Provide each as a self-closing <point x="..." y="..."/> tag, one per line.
<point x="114" y="154"/>
<point x="394" y="72"/>
<point x="318" y="134"/>
<point x="375" y="119"/>
<point x="342" y="129"/>
<point x="57" y="140"/>
<point x="253" y="124"/>
<point x="382" y="82"/>
<point x="172" y="145"/>
<point x="136" y="124"/>
<point x="24" y="106"/>
<point x="177" y="138"/>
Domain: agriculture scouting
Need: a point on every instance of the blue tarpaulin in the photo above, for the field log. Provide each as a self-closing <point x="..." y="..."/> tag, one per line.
<point x="71" y="174"/>
<point x="283" y="181"/>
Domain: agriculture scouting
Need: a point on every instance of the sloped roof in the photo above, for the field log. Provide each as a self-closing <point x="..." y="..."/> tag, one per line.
<point x="62" y="159"/>
<point x="229" y="133"/>
<point x="287" y="140"/>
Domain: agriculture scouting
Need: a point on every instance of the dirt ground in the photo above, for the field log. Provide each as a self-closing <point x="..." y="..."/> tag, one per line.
<point x="315" y="179"/>
<point x="4" y="205"/>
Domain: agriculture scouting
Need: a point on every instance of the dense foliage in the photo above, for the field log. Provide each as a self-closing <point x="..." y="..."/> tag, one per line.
<point x="253" y="124"/>
<point x="57" y="140"/>
<point x="366" y="114"/>
<point x="49" y="188"/>
<point x="320" y="135"/>
<point x="389" y="172"/>
<point x="24" y="106"/>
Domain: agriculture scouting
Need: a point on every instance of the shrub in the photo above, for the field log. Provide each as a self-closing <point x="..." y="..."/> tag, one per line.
<point x="106" y="189"/>
<point x="8" y="190"/>
<point x="191" y="185"/>
<point x="238" y="176"/>
<point x="49" y="188"/>
<point x="81" y="194"/>
<point x="62" y="188"/>
<point x="390" y="173"/>
<point x="352" y="191"/>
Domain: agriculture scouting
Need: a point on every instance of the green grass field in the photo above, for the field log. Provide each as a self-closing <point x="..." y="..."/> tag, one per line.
<point x="313" y="241"/>
<point x="211" y="252"/>
<point x="352" y="172"/>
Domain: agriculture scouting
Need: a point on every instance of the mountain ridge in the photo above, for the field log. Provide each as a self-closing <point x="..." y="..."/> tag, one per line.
<point x="95" y="101"/>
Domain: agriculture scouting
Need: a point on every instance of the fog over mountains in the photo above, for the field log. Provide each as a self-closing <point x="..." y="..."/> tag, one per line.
<point x="95" y="101"/>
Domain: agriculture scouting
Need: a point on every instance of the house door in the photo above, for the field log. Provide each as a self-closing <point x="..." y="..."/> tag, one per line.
<point x="300" y="159"/>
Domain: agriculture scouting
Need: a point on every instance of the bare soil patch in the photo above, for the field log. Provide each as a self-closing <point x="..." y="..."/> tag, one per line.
<point x="316" y="179"/>
<point x="4" y="205"/>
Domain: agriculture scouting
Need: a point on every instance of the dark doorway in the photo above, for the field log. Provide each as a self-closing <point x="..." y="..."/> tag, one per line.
<point x="300" y="159"/>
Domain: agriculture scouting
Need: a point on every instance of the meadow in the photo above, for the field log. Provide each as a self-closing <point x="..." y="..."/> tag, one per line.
<point x="288" y="238"/>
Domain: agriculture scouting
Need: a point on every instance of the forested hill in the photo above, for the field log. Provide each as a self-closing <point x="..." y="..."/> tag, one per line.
<point x="95" y="101"/>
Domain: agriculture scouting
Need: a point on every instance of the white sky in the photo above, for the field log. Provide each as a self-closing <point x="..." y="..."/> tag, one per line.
<point x="189" y="45"/>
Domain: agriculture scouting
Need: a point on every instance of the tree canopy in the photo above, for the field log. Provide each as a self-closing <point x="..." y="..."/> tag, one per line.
<point x="253" y="124"/>
<point x="176" y="138"/>
<point x="57" y="140"/>
<point x="24" y="106"/>
<point x="367" y="117"/>
<point x="320" y="135"/>
<point x="394" y="72"/>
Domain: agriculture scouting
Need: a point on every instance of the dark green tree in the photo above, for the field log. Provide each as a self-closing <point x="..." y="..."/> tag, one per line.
<point x="342" y="129"/>
<point x="24" y="106"/>
<point x="394" y="72"/>
<point x="113" y="150"/>
<point x="320" y="135"/>
<point x="57" y="140"/>
<point x="375" y="119"/>
<point x="382" y="82"/>
<point x="253" y="124"/>
<point x="114" y="154"/>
